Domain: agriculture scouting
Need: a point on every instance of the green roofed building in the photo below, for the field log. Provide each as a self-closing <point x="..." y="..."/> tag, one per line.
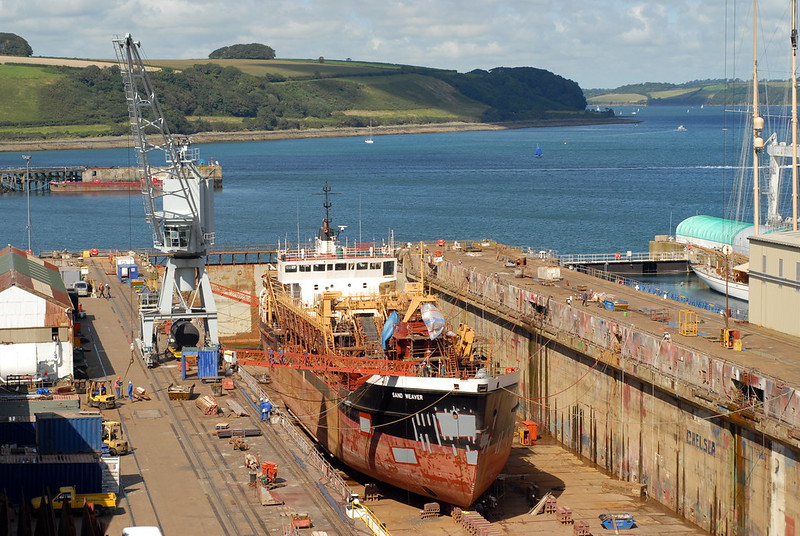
<point x="714" y="233"/>
<point x="35" y="318"/>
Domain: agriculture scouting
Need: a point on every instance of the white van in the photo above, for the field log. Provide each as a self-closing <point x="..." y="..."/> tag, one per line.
<point x="141" y="531"/>
<point x="82" y="288"/>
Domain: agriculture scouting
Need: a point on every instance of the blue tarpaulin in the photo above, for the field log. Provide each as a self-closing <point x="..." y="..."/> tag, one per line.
<point x="388" y="328"/>
<point x="207" y="363"/>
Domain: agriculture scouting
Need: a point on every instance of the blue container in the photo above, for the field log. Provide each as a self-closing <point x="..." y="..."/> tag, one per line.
<point x="18" y="432"/>
<point x="33" y="474"/>
<point x="207" y="363"/>
<point x="127" y="271"/>
<point x="608" y="304"/>
<point x="68" y="433"/>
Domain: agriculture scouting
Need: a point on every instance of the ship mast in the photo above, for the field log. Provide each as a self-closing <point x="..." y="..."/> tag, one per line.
<point x="758" y="125"/>
<point x="793" y="38"/>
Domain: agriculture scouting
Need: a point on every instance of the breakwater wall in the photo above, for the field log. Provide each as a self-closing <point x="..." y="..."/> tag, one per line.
<point x="712" y="439"/>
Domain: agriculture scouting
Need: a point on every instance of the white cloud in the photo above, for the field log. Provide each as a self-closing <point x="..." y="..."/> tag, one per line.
<point x="597" y="43"/>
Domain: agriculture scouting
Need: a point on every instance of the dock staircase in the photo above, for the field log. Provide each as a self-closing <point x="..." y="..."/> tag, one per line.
<point x="451" y="363"/>
<point x="368" y="333"/>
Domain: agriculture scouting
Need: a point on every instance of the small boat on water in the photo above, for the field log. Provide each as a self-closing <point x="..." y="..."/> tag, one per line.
<point x="376" y="375"/>
<point x="538" y="152"/>
<point x="681" y="128"/>
<point x="369" y="138"/>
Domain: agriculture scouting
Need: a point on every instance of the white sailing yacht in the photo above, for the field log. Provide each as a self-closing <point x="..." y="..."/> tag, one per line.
<point x="734" y="281"/>
<point x="369" y="138"/>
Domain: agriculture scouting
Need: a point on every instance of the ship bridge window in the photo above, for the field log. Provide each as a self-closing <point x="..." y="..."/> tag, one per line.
<point x="388" y="268"/>
<point x="362" y="265"/>
<point x="329" y="267"/>
<point x="374" y="266"/>
<point x="290" y="268"/>
<point x="319" y="267"/>
<point x="341" y="266"/>
<point x="305" y="267"/>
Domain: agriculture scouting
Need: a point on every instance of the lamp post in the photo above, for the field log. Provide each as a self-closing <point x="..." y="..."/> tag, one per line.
<point x="27" y="158"/>
<point x="727" y="250"/>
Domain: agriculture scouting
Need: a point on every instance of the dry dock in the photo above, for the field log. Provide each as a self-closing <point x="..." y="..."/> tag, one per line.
<point x="709" y="432"/>
<point x="184" y="479"/>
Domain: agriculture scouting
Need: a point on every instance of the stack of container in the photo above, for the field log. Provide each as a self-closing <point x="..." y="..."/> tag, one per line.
<point x="68" y="447"/>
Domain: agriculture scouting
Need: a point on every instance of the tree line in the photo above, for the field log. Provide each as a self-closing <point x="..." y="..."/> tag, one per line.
<point x="93" y="95"/>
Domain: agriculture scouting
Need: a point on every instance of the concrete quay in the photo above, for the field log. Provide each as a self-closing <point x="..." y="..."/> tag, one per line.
<point x="180" y="477"/>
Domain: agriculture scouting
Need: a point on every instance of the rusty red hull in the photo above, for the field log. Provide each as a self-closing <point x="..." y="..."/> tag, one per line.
<point x="68" y="186"/>
<point x="443" y="438"/>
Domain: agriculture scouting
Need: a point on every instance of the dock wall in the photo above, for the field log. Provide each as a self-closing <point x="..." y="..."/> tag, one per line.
<point x="709" y="439"/>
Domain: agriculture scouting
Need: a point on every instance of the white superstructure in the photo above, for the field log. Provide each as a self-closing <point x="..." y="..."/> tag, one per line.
<point x="351" y="271"/>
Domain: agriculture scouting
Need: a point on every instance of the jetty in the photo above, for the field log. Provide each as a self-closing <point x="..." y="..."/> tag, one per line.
<point x="46" y="179"/>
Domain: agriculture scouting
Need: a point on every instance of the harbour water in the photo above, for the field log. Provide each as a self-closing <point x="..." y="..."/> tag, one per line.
<point x="597" y="189"/>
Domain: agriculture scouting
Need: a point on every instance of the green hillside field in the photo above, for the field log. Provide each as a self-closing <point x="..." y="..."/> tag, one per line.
<point x="296" y="69"/>
<point x="85" y="98"/>
<point x="735" y="93"/>
<point x="19" y="91"/>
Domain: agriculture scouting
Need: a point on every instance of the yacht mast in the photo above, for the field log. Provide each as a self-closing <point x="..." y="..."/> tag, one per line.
<point x="758" y="125"/>
<point x="794" y="114"/>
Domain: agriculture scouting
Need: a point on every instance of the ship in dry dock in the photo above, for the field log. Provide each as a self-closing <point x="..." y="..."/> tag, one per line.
<point x="378" y="377"/>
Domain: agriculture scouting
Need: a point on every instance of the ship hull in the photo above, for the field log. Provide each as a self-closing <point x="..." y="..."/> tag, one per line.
<point x="718" y="284"/>
<point x="418" y="434"/>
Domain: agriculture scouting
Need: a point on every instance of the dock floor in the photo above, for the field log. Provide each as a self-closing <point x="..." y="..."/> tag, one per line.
<point x="187" y="481"/>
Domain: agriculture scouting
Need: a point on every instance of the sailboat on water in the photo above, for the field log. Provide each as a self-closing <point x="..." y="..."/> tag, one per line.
<point x="369" y="138"/>
<point x="538" y="152"/>
<point x="716" y="271"/>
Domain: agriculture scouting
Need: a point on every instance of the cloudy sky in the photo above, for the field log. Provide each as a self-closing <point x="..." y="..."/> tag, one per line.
<point x="597" y="43"/>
